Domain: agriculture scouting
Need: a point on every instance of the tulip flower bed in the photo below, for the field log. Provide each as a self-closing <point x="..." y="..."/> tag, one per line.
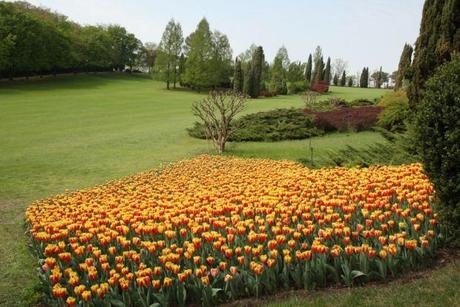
<point x="213" y="229"/>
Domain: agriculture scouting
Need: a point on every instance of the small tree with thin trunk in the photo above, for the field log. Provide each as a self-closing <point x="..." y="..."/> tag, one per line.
<point x="310" y="100"/>
<point x="217" y="112"/>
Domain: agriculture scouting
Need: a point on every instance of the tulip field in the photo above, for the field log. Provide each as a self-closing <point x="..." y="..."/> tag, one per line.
<point x="214" y="229"/>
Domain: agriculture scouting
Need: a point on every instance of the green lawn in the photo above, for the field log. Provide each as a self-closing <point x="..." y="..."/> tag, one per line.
<point x="78" y="131"/>
<point x="300" y="149"/>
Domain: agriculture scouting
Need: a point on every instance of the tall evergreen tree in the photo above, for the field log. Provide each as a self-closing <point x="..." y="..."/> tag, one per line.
<point x="208" y="58"/>
<point x="278" y="72"/>
<point x="258" y="60"/>
<point x="439" y="37"/>
<point x="319" y="64"/>
<point x="343" y="80"/>
<point x="327" y="71"/>
<point x="350" y="81"/>
<point x="169" y="51"/>
<point x="378" y="78"/>
<point x="367" y="77"/>
<point x="238" y="77"/>
<point x="248" y="80"/>
<point x="320" y="70"/>
<point x="199" y="54"/>
<point x="308" y="70"/>
<point x="364" y="79"/>
<point x="404" y="66"/>
<point x="335" y="80"/>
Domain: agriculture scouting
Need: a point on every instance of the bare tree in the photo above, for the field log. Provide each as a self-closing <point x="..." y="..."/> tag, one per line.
<point x="338" y="66"/>
<point x="217" y="112"/>
<point x="310" y="99"/>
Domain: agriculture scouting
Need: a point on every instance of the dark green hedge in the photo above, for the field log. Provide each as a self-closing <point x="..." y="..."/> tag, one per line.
<point x="438" y="135"/>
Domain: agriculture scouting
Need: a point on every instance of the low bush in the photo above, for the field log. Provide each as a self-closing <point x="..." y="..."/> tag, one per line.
<point x="346" y="118"/>
<point x="267" y="93"/>
<point x="335" y="102"/>
<point x="340" y="102"/>
<point x="396" y="111"/>
<point x="360" y="102"/>
<point x="276" y="125"/>
<point x="297" y="87"/>
<point x="320" y="87"/>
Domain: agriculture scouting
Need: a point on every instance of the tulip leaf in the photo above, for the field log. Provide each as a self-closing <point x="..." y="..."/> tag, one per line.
<point x="216" y="291"/>
<point x="357" y="274"/>
<point x="117" y="303"/>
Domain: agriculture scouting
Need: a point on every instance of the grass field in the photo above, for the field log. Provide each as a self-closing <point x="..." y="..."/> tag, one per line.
<point x="75" y="132"/>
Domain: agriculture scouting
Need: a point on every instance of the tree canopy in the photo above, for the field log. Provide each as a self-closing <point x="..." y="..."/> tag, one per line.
<point x="209" y="58"/>
<point x="169" y="53"/>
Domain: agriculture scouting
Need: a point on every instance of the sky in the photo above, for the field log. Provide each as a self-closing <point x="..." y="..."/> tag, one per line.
<point x="362" y="32"/>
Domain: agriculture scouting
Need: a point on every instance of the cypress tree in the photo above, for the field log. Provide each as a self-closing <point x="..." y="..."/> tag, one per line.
<point x="321" y="71"/>
<point x="238" y="77"/>
<point x="336" y="79"/>
<point x="378" y="79"/>
<point x="308" y="70"/>
<point x="327" y="71"/>
<point x="404" y="66"/>
<point x="350" y="81"/>
<point x="258" y="60"/>
<point x="364" y="80"/>
<point x="344" y="79"/>
<point x="248" y="83"/>
<point x="319" y="65"/>
<point x="361" y="79"/>
<point x="439" y="37"/>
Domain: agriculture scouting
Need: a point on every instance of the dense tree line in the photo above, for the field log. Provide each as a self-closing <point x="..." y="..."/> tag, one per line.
<point x="36" y="41"/>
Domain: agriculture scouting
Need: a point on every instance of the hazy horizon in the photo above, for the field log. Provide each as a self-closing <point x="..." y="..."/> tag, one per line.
<point x="363" y="33"/>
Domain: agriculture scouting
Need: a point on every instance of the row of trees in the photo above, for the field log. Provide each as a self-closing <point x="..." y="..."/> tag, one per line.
<point x="35" y="41"/>
<point x="204" y="60"/>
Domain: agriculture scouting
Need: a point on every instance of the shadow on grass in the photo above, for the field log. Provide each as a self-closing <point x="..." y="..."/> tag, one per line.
<point x="69" y="81"/>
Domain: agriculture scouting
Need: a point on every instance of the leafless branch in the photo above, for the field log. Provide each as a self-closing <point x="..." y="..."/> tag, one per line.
<point x="217" y="112"/>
